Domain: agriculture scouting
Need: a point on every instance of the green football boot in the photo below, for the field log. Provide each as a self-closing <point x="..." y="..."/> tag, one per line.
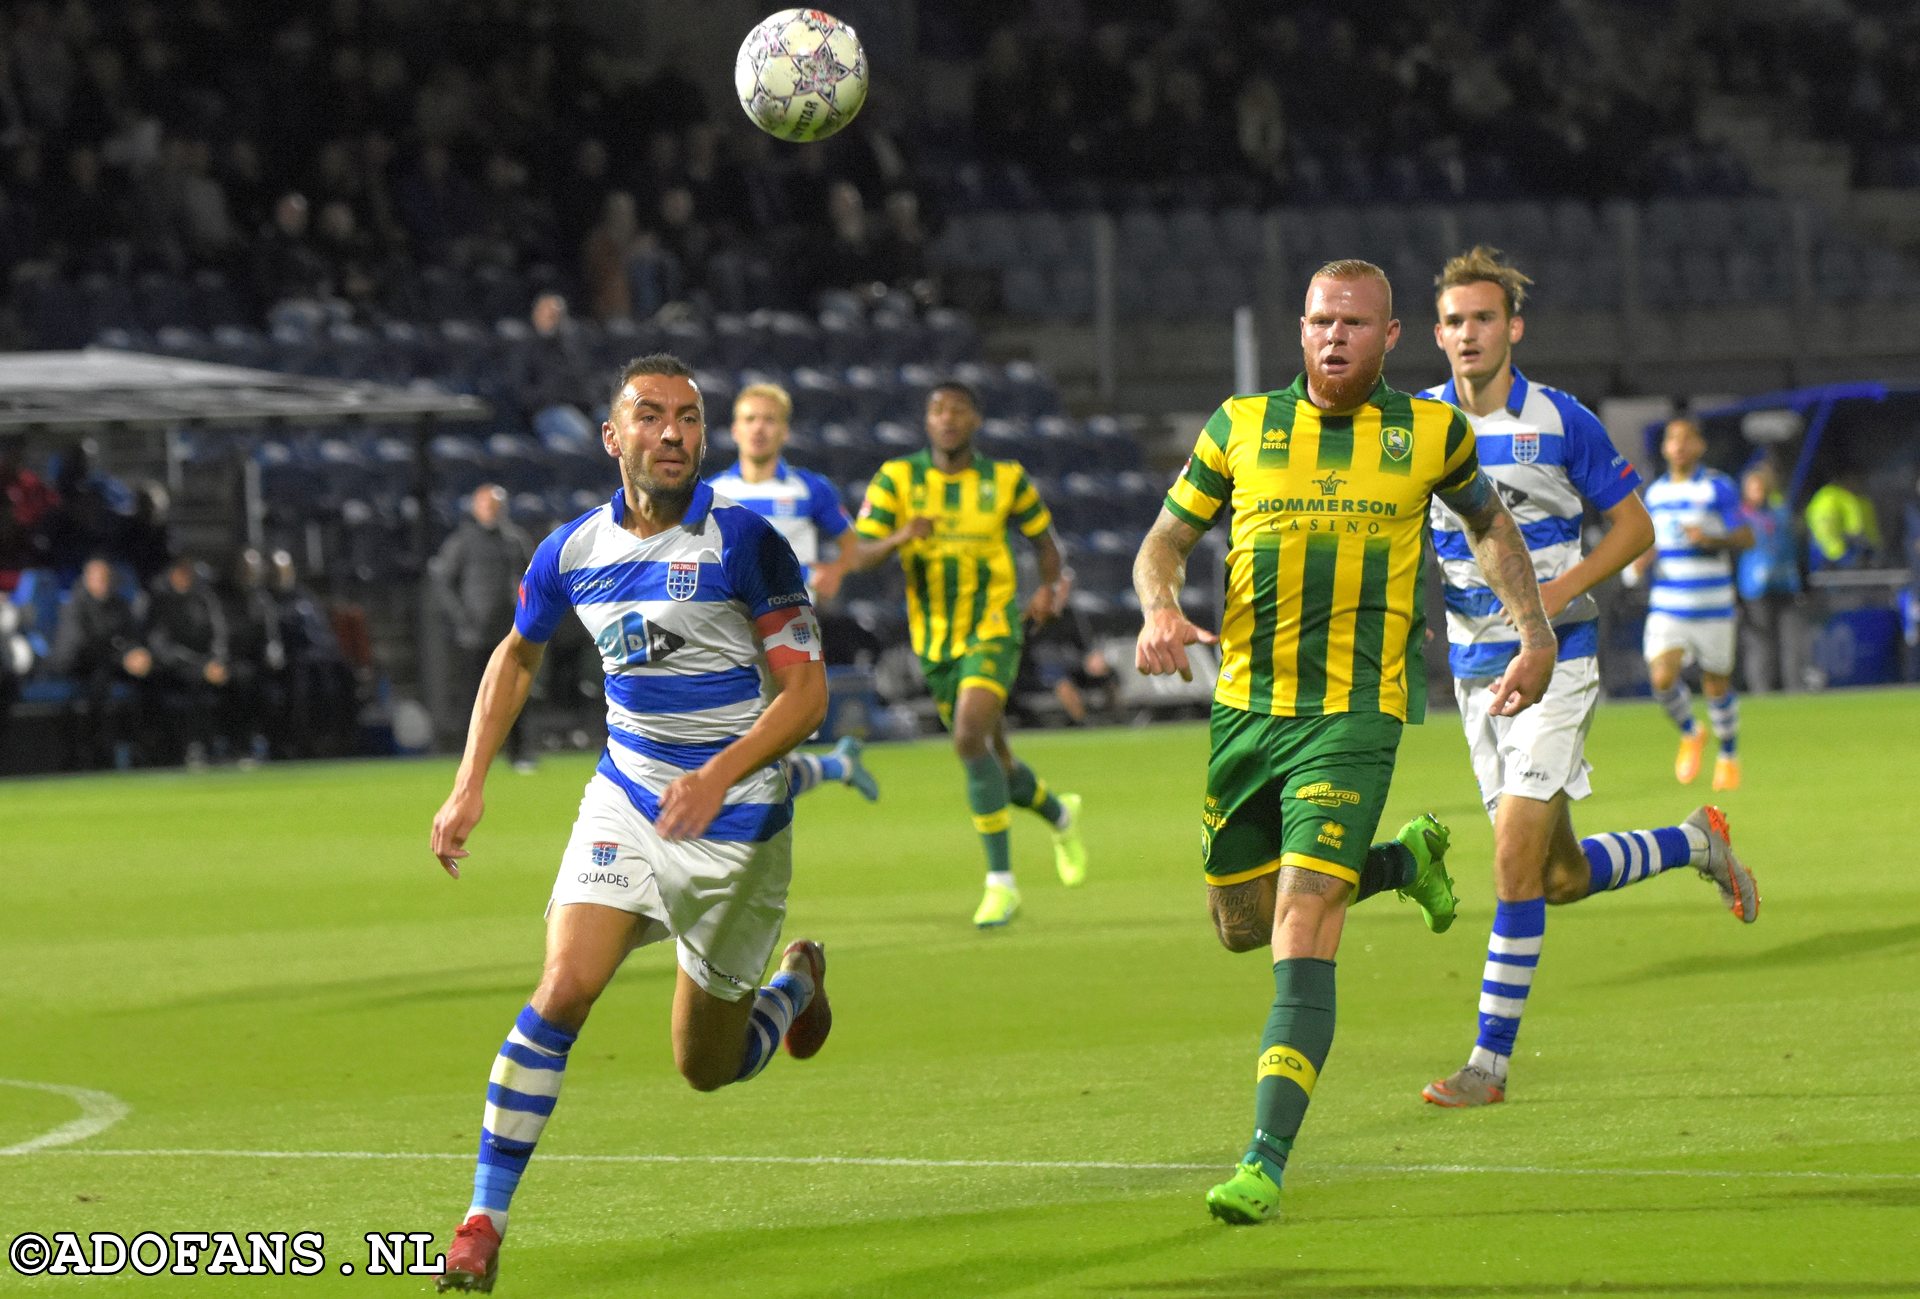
<point x="1000" y="905"/>
<point x="1249" y="1196"/>
<point x="1069" y="854"/>
<point x="1432" y="887"/>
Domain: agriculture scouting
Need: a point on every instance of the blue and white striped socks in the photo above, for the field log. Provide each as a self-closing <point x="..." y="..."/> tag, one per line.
<point x="1678" y="702"/>
<point x="521" y="1091"/>
<point x="1724" y="713"/>
<point x="1512" y="955"/>
<point x="1618" y="860"/>
<point x="805" y="770"/>
<point x="774" y="1008"/>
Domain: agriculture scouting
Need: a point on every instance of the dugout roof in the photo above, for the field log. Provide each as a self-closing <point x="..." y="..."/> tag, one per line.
<point x="103" y="388"/>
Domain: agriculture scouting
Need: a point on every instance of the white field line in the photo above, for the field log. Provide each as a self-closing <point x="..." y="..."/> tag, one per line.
<point x="98" y="1112"/>
<point x="1059" y="1165"/>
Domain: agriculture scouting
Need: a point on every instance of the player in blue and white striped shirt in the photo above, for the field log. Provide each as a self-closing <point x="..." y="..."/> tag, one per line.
<point x="804" y="507"/>
<point x="684" y="830"/>
<point x="1698" y="530"/>
<point x="1550" y="458"/>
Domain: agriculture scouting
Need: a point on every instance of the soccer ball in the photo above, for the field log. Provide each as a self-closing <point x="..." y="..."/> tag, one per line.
<point x="801" y="75"/>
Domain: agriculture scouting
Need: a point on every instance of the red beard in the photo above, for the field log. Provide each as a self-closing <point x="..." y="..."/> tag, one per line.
<point x="1343" y="393"/>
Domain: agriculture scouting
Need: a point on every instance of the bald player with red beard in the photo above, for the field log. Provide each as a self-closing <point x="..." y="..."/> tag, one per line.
<point x="1328" y="482"/>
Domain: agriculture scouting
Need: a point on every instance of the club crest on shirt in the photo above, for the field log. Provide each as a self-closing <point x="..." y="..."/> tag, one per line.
<point x="1396" y="442"/>
<point x="1526" y="448"/>
<point x="683" y="579"/>
<point x="603" y="853"/>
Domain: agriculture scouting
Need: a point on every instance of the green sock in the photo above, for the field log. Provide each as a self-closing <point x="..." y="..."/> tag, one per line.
<point x="987" y="796"/>
<point x="1390" y="866"/>
<point x="1299" y="1035"/>
<point x="1029" y="791"/>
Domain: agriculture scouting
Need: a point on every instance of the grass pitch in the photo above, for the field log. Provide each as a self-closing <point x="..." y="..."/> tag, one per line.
<point x="264" y="965"/>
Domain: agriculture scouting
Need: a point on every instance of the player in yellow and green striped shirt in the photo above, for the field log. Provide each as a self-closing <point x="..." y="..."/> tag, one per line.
<point x="948" y="511"/>
<point x="1329" y="483"/>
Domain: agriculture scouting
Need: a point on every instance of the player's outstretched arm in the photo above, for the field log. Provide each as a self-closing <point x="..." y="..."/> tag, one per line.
<point x="1501" y="552"/>
<point x="859" y="553"/>
<point x="503" y="693"/>
<point x="1159" y="574"/>
<point x="1629" y="537"/>
<point x="691" y="802"/>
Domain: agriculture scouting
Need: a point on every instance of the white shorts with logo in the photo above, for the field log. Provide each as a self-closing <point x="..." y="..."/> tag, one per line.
<point x="721" y="902"/>
<point x="1543" y="750"/>
<point x="1707" y="642"/>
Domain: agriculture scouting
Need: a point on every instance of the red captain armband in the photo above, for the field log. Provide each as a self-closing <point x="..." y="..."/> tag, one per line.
<point x="789" y="636"/>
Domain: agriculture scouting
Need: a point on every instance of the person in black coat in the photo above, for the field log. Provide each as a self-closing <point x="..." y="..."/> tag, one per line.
<point x="187" y="632"/>
<point x="97" y="644"/>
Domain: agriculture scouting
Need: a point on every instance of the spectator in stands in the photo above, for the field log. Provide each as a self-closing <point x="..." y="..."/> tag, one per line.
<point x="257" y="657"/>
<point x="1062" y="659"/>
<point x="26" y="503"/>
<point x="1842" y="527"/>
<point x="900" y="250"/>
<point x="93" y="506"/>
<point x="98" y="647"/>
<point x="609" y="247"/>
<point x="187" y="632"/>
<point x="287" y="266"/>
<point x="437" y="204"/>
<point x="144" y="543"/>
<point x="352" y="262"/>
<point x="321" y="698"/>
<point x="1772" y="628"/>
<point x="476" y="576"/>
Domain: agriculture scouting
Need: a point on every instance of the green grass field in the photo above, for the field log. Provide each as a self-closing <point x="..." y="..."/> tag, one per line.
<point x="266" y="965"/>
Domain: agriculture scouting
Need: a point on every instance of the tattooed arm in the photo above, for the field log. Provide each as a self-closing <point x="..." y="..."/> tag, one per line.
<point x="1502" y="555"/>
<point x="1159" y="571"/>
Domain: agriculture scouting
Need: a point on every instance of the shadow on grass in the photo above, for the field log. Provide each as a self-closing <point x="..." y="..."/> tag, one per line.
<point x="1013" y="1255"/>
<point x="383" y="991"/>
<point x="1841" y="945"/>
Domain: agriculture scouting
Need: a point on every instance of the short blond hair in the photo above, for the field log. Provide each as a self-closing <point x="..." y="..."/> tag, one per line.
<point x="1352" y="268"/>
<point x="772" y="392"/>
<point x="1484" y="264"/>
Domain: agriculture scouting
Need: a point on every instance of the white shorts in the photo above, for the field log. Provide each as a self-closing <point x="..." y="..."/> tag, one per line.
<point x="1706" y="642"/>
<point x="722" y="902"/>
<point x="1543" y="750"/>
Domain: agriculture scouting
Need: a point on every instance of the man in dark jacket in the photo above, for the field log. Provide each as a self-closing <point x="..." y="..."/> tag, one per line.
<point x="97" y="644"/>
<point x="187" y="631"/>
<point x="476" y="576"/>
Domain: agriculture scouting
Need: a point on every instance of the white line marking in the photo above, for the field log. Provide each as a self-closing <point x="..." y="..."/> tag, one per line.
<point x="98" y="1112"/>
<point x="876" y="1161"/>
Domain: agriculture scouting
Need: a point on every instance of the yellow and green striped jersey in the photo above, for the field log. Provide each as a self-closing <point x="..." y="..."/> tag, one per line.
<point x="1324" y="574"/>
<point x="960" y="579"/>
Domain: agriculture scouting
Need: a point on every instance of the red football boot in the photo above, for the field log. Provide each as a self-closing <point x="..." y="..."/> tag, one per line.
<point x="808" y="1032"/>
<point x="473" y="1260"/>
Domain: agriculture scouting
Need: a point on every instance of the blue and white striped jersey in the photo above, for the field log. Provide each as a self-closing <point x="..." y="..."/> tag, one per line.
<point x="1550" y="457"/>
<point x="802" y="505"/>
<point x="681" y="620"/>
<point x="1689" y="582"/>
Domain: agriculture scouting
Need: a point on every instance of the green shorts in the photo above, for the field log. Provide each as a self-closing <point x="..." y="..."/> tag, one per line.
<point x="989" y="664"/>
<point x="1294" y="791"/>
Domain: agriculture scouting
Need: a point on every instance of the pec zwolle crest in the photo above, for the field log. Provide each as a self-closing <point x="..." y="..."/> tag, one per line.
<point x="683" y="579"/>
<point x="1526" y="448"/>
<point x="603" y="853"/>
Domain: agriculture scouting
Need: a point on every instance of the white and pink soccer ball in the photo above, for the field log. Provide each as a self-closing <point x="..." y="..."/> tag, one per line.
<point x="801" y="75"/>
